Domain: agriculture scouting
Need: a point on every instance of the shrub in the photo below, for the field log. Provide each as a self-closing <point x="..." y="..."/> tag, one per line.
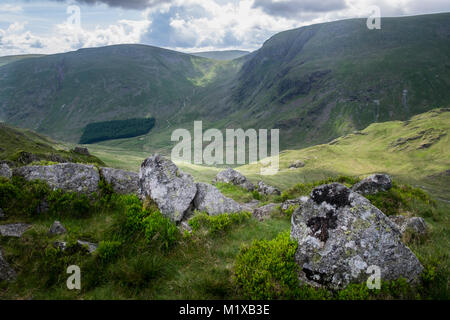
<point x="108" y="250"/>
<point x="218" y="223"/>
<point x="161" y="229"/>
<point x="267" y="270"/>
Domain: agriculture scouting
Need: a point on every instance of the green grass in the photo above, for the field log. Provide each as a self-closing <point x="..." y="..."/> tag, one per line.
<point x="136" y="261"/>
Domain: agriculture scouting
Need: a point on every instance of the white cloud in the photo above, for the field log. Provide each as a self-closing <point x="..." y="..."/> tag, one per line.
<point x="9" y="8"/>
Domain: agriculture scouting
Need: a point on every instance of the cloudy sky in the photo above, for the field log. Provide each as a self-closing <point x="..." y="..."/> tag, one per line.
<point x="53" y="26"/>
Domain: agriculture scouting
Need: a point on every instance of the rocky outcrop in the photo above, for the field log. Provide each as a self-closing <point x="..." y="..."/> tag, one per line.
<point x="250" y="206"/>
<point x="340" y="234"/>
<point x="123" y="182"/>
<point x="414" y="225"/>
<point x="373" y="184"/>
<point x="69" y="177"/>
<point x="6" y="272"/>
<point x="57" y="228"/>
<point x="82" y="150"/>
<point x="297" y="164"/>
<point x="5" y="171"/>
<point x="209" y="199"/>
<point x="170" y="188"/>
<point x="232" y="176"/>
<point x="264" y="212"/>
<point x="14" y="230"/>
<point x="267" y="190"/>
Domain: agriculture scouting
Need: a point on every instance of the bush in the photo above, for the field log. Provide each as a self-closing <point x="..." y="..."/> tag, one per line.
<point x="218" y="223"/>
<point x="108" y="250"/>
<point x="403" y="198"/>
<point x="267" y="270"/>
<point x="161" y="229"/>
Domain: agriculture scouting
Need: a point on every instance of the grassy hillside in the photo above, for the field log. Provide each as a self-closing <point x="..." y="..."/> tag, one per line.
<point x="9" y="59"/>
<point x="416" y="151"/>
<point x="21" y="147"/>
<point x="314" y="83"/>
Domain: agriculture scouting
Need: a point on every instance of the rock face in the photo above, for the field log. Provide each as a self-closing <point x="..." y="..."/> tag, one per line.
<point x="340" y="234"/>
<point x="5" y="171"/>
<point x="57" y="228"/>
<point x="373" y="184"/>
<point x="69" y="177"/>
<point x="212" y="201"/>
<point x="297" y="164"/>
<point x="415" y="225"/>
<point x="123" y="182"/>
<point x="264" y="212"/>
<point x="171" y="189"/>
<point x="232" y="176"/>
<point x="6" y="272"/>
<point x="14" y="230"/>
<point x="267" y="190"/>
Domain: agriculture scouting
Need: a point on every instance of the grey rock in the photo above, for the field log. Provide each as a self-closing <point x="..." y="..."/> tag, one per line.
<point x="232" y="176"/>
<point x="184" y="226"/>
<point x="297" y="164"/>
<point x="123" y="182"/>
<point x="267" y="190"/>
<point x="91" y="247"/>
<point x="80" y="245"/>
<point x="414" y="225"/>
<point x="57" y="228"/>
<point x="14" y="229"/>
<point x="82" y="150"/>
<point x="264" y="212"/>
<point x="373" y="184"/>
<point x="69" y="177"/>
<point x="6" y="272"/>
<point x="171" y="189"/>
<point x="209" y="199"/>
<point x="340" y="234"/>
<point x="250" y="206"/>
<point x="293" y="202"/>
<point x="5" y="171"/>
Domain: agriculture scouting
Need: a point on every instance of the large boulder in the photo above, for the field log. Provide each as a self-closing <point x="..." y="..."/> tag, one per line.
<point x="209" y="199"/>
<point x="5" y="171"/>
<point x="232" y="176"/>
<point x="6" y="272"/>
<point x="123" y="182"/>
<point x="82" y="150"/>
<point x="69" y="177"/>
<point x="293" y="203"/>
<point x="14" y="229"/>
<point x="340" y="234"/>
<point x="297" y="164"/>
<point x="170" y="188"/>
<point x="267" y="190"/>
<point x="373" y="184"/>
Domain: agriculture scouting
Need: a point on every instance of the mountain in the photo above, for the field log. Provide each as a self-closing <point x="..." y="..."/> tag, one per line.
<point x="314" y="83"/>
<point x="8" y="59"/>
<point x="222" y="55"/>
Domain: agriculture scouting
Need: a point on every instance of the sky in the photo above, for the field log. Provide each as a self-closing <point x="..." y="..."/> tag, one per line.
<point x="54" y="26"/>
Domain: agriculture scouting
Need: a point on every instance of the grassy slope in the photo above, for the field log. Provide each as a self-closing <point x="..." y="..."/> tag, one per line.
<point x="221" y="55"/>
<point x="9" y="59"/>
<point x="14" y="140"/>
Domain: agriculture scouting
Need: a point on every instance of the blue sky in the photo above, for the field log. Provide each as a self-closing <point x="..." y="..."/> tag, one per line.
<point x="51" y="26"/>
